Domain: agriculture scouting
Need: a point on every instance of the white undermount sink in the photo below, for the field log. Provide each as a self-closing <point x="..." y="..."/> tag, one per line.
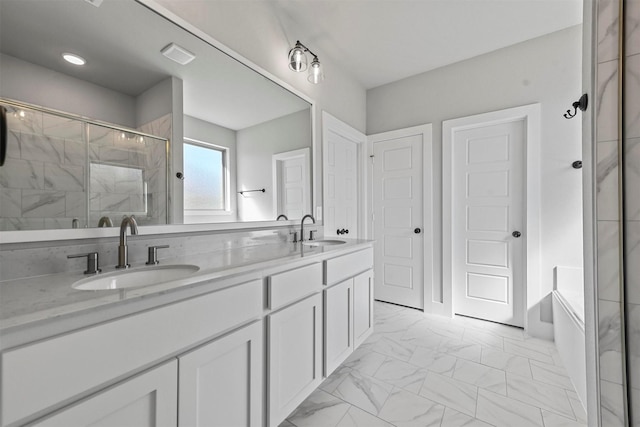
<point x="143" y="276"/>
<point x="323" y="242"/>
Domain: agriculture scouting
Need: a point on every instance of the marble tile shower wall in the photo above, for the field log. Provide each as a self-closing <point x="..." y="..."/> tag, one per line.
<point x="43" y="181"/>
<point x="121" y="164"/>
<point x="631" y="146"/>
<point x="610" y="310"/>
<point x="28" y="260"/>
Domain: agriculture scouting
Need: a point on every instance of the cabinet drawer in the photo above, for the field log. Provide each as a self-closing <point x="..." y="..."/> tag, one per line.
<point x="345" y="266"/>
<point x="40" y="375"/>
<point x="292" y="285"/>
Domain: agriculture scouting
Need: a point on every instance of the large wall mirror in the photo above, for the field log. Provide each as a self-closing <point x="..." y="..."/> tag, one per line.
<point x="157" y="123"/>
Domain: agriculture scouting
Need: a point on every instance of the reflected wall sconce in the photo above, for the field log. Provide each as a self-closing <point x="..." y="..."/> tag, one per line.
<point x="298" y="63"/>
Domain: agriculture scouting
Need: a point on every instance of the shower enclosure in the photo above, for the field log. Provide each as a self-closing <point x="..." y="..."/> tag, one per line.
<point x="66" y="171"/>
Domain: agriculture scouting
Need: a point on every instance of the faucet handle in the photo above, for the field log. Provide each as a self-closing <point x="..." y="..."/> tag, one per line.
<point x="153" y="254"/>
<point x="92" y="262"/>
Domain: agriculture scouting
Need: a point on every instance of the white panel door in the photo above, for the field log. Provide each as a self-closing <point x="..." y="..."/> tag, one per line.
<point x="341" y="179"/>
<point x="221" y="382"/>
<point x="488" y="195"/>
<point x="292" y="184"/>
<point x="398" y="220"/>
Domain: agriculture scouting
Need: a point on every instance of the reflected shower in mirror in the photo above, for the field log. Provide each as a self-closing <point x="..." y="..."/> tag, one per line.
<point x="128" y="83"/>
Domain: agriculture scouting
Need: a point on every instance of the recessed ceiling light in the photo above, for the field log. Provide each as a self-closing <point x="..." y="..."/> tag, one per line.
<point x="74" y="59"/>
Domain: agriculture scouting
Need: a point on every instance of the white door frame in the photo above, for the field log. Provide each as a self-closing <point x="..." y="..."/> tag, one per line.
<point x="330" y="124"/>
<point x="426" y="132"/>
<point x="531" y="116"/>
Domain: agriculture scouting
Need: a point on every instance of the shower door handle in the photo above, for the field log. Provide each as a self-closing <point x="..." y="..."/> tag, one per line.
<point x="516" y="234"/>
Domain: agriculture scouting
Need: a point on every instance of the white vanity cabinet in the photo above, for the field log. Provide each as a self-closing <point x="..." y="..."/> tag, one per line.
<point x="338" y="325"/>
<point x="43" y="376"/>
<point x="294" y="339"/>
<point x="221" y="382"/>
<point x="362" y="307"/>
<point x="348" y="309"/>
<point x="149" y="399"/>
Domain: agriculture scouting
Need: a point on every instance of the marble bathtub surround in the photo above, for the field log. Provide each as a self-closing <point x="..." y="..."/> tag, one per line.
<point x="377" y="386"/>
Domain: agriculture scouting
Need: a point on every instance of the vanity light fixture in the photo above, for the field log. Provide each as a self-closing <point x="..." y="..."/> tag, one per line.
<point x="74" y="59"/>
<point x="298" y="63"/>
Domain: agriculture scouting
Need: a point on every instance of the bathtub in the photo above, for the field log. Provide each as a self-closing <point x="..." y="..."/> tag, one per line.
<point x="568" y="326"/>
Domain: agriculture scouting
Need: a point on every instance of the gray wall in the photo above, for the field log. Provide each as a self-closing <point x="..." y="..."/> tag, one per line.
<point x="61" y="92"/>
<point x="545" y="70"/>
<point x="256" y="146"/>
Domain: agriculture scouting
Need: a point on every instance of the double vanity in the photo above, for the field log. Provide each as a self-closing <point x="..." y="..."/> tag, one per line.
<point x="239" y="342"/>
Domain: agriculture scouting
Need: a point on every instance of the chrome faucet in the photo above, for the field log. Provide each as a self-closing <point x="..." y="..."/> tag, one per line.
<point x="123" y="255"/>
<point x="105" y="221"/>
<point x="302" y="225"/>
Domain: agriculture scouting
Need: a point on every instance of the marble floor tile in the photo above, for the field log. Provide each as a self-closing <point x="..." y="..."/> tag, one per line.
<point x="453" y="418"/>
<point x="555" y="420"/>
<point x="482" y="376"/>
<point x="506" y="362"/>
<point x="363" y="391"/>
<point x="461" y="349"/>
<point x="394" y="347"/>
<point x="528" y="350"/>
<point x="356" y="417"/>
<point x="333" y="381"/>
<point x="538" y="394"/>
<point x="483" y="338"/>
<point x="319" y="409"/>
<point x="404" y="409"/>
<point x="577" y="406"/>
<point x="502" y="411"/>
<point x="365" y="361"/>
<point x="418" y="370"/>
<point x="434" y="361"/>
<point x="402" y="375"/>
<point x="450" y="392"/>
<point x="551" y="374"/>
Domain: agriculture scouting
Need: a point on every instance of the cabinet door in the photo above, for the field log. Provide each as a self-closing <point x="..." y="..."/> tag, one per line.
<point x="338" y="325"/>
<point x="362" y="307"/>
<point x="149" y="399"/>
<point x="295" y="356"/>
<point x="221" y="382"/>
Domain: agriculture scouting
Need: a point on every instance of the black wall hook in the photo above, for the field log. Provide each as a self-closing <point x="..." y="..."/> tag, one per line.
<point x="581" y="104"/>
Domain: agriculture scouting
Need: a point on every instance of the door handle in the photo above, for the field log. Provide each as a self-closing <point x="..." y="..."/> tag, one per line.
<point x="417" y="230"/>
<point x="516" y="234"/>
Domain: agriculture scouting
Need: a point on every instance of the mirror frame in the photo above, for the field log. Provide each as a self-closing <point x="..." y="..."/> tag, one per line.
<point x="27" y="236"/>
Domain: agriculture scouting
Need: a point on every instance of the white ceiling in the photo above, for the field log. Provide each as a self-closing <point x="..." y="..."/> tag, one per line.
<point x="381" y="41"/>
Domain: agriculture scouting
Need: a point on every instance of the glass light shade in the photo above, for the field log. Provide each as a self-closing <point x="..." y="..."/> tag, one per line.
<point x="297" y="59"/>
<point x="315" y="72"/>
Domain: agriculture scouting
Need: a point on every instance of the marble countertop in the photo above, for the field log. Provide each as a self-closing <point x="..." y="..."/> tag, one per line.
<point x="42" y="299"/>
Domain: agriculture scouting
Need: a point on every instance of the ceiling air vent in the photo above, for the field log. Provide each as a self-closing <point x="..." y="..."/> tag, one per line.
<point x="179" y="54"/>
<point x="96" y="3"/>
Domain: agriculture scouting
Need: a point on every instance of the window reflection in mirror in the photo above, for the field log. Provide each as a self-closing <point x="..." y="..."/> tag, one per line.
<point x="206" y="189"/>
